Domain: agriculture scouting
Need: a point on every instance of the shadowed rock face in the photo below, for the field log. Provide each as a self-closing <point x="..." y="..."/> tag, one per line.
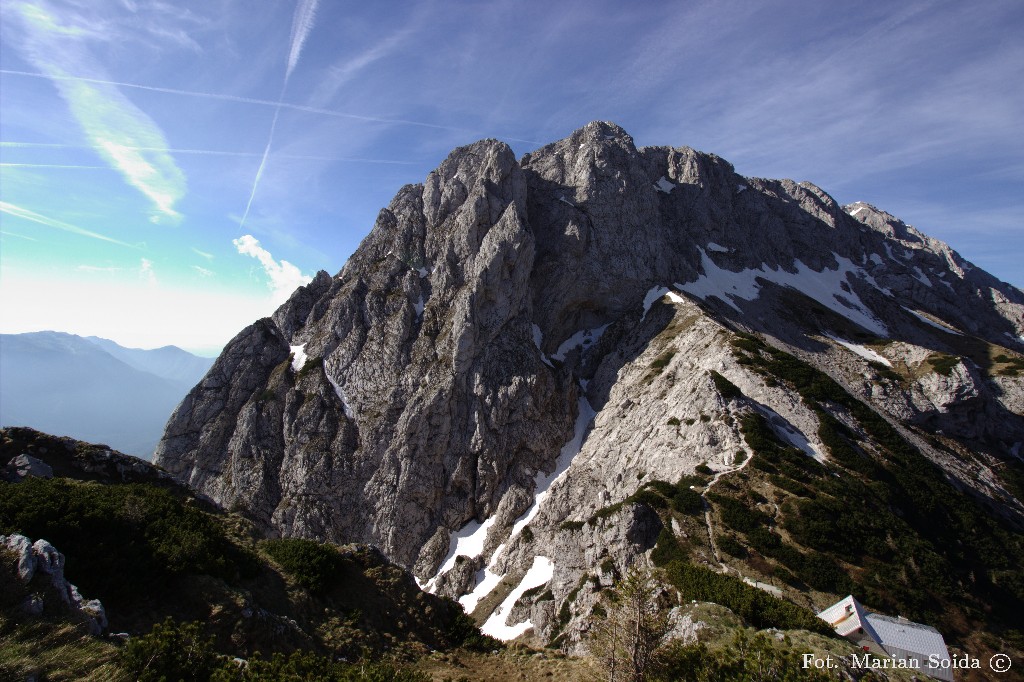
<point x="449" y="359"/>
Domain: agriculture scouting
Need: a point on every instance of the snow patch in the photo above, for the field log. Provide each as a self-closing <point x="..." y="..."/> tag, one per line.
<point x="584" y="338"/>
<point x="488" y="578"/>
<point x="419" y="306"/>
<point x="740" y="188"/>
<point x="858" y="210"/>
<point x="792" y="436"/>
<point x="650" y="297"/>
<point x="298" y="356"/>
<point x="664" y="185"/>
<point x="876" y="259"/>
<point x="345" y="407"/>
<point x="930" y="323"/>
<point x="468" y="541"/>
<point x="538" y="339"/>
<point x="566" y="202"/>
<point x="921" y="277"/>
<point x="825" y="287"/>
<point x="718" y="247"/>
<point x="862" y="351"/>
<point x="656" y="293"/>
<point x="496" y="626"/>
<point x="543" y="482"/>
<point x="423" y="271"/>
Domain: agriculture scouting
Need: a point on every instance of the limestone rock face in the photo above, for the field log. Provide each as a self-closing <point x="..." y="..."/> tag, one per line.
<point x="41" y="560"/>
<point x="518" y="344"/>
<point x="24" y="466"/>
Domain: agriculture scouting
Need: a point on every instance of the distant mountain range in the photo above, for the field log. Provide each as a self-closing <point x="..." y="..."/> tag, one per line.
<point x="92" y="388"/>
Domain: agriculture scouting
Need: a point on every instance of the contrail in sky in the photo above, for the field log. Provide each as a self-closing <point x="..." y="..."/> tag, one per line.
<point x="259" y="171"/>
<point x="26" y="214"/>
<point x="266" y="103"/>
<point x="302" y="24"/>
<point x="197" y="152"/>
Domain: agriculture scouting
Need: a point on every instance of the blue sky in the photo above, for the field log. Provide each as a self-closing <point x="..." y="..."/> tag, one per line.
<point x="170" y="171"/>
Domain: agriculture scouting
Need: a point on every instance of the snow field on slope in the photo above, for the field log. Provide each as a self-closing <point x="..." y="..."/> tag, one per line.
<point x="862" y="351"/>
<point x="488" y="578"/>
<point x="496" y="626"/>
<point x="299" y="356"/>
<point x="825" y="287"/>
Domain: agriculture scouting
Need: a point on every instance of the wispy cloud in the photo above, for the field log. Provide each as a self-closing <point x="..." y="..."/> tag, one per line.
<point x="302" y="24"/>
<point x="26" y="214"/>
<point x="345" y="70"/>
<point x="198" y="152"/>
<point x="204" y="254"/>
<point x="146" y="273"/>
<point x="284" y="277"/>
<point x="203" y="272"/>
<point x="116" y="128"/>
<point x="53" y="165"/>
<point x="19" y="236"/>
<point x="248" y="100"/>
<point x="98" y="268"/>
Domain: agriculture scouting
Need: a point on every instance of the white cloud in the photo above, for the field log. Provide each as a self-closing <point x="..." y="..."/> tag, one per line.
<point x="204" y="254"/>
<point x="121" y="133"/>
<point x="284" y="277"/>
<point x="203" y="272"/>
<point x="146" y="273"/>
<point x="98" y="268"/>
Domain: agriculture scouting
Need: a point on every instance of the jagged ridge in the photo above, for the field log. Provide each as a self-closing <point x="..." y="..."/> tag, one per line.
<point x="451" y="359"/>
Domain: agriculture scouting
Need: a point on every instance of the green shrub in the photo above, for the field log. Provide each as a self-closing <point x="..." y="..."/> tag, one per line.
<point x="726" y="389"/>
<point x="313" y="565"/>
<point x="101" y="529"/>
<point x="674" y="421"/>
<point x="659" y="363"/>
<point x="943" y="364"/>
<point x="663" y="488"/>
<point x="729" y="544"/>
<point x="757" y="607"/>
<point x="464" y="632"/>
<point x="667" y="549"/>
<point x="687" y="501"/>
<point x="171" y="652"/>
<point x="311" y="365"/>
<point x="703" y="468"/>
<point x="744" y="659"/>
<point x="737" y="515"/>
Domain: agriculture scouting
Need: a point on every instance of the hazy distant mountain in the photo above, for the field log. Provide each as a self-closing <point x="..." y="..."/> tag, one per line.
<point x="93" y="389"/>
<point x="169" y="362"/>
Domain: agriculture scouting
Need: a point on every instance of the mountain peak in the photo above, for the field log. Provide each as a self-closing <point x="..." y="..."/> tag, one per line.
<point x="517" y="345"/>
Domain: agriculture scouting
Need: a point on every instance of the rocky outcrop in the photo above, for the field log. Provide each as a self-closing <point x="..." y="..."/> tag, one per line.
<point x="25" y="466"/>
<point x="43" y="560"/>
<point x="25" y="452"/>
<point x="518" y="345"/>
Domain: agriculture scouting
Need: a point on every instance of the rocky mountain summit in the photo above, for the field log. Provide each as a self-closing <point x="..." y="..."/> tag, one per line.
<point x="524" y="361"/>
